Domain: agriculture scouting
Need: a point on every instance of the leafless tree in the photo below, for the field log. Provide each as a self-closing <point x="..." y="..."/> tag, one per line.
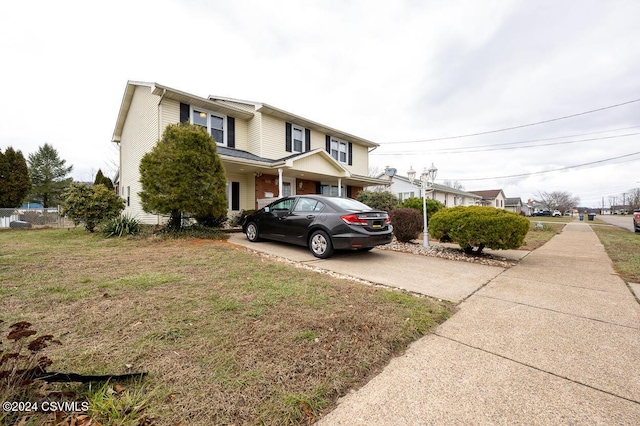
<point x="634" y="198"/>
<point x="557" y="200"/>
<point x="453" y="184"/>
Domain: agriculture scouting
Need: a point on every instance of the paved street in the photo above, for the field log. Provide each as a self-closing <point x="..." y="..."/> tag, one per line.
<point x="625" y="222"/>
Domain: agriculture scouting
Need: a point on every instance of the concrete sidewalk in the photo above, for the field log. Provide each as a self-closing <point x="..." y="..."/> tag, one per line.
<point x="553" y="340"/>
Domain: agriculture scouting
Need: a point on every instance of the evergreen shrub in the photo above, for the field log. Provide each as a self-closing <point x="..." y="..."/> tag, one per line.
<point x="379" y="200"/>
<point x="479" y="227"/>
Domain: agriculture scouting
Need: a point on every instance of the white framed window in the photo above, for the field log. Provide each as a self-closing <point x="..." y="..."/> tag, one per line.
<point x="214" y="122"/>
<point x="297" y="135"/>
<point x="332" y="190"/>
<point x="404" y="195"/>
<point x="339" y="150"/>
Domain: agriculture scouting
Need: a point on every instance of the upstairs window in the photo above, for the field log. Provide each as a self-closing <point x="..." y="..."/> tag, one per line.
<point x="213" y="122"/>
<point x="298" y="139"/>
<point x="339" y="150"/>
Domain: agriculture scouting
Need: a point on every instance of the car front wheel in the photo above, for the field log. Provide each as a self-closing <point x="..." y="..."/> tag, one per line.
<point x="320" y="245"/>
<point x="252" y="232"/>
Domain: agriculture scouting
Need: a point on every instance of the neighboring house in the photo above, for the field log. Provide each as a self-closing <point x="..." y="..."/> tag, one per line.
<point x="450" y="197"/>
<point x="7" y="216"/>
<point x="267" y="153"/>
<point x="515" y="205"/>
<point x="493" y="198"/>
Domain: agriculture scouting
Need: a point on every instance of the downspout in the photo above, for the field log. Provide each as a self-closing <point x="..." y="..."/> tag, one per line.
<point x="280" y="182"/>
<point x="164" y="91"/>
<point x="339" y="187"/>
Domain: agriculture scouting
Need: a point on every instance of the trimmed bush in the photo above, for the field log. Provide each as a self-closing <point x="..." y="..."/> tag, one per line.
<point x="433" y="206"/>
<point x="479" y="227"/>
<point x="407" y="224"/>
<point x="379" y="200"/>
<point x="90" y="204"/>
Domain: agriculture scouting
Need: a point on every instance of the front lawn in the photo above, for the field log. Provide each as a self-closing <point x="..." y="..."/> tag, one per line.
<point x="623" y="247"/>
<point x="226" y="336"/>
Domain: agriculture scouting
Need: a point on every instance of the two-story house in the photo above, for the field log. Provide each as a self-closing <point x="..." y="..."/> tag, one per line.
<point x="267" y="152"/>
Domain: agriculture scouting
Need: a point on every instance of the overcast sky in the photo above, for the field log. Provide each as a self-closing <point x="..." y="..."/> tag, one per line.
<point x="389" y="71"/>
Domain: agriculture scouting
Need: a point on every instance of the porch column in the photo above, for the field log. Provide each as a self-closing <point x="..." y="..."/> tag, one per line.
<point x="280" y="182"/>
<point x="339" y="187"/>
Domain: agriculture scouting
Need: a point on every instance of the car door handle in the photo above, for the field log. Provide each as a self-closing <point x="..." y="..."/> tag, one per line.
<point x="310" y="216"/>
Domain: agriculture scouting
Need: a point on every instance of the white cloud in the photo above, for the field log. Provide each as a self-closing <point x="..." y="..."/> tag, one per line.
<point x="387" y="71"/>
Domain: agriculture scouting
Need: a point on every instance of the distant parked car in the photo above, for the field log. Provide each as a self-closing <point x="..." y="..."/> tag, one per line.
<point x="636" y="220"/>
<point x="556" y="213"/>
<point x="542" y="213"/>
<point x="320" y="223"/>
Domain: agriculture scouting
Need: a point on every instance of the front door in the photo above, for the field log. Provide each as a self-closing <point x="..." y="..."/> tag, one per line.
<point x="288" y="187"/>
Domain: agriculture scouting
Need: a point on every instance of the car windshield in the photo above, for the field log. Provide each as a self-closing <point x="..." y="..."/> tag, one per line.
<point x="350" y="205"/>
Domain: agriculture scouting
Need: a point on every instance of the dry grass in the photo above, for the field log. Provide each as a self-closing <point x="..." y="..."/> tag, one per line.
<point x="536" y="237"/>
<point x="226" y="336"/>
<point x="623" y="247"/>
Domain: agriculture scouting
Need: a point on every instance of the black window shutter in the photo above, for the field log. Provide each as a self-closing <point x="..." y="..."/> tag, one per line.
<point x="307" y="140"/>
<point x="350" y="154"/>
<point x="349" y="191"/>
<point x="287" y="144"/>
<point x="235" y="195"/>
<point x="318" y="188"/>
<point x="184" y="113"/>
<point x="231" y="133"/>
<point x="327" y="143"/>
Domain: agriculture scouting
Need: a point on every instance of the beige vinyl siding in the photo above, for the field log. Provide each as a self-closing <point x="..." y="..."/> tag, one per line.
<point x="316" y="164"/>
<point x="242" y="134"/>
<point x="170" y="114"/>
<point x="318" y="140"/>
<point x="139" y="136"/>
<point x="273" y="138"/>
<point x="254" y="134"/>
<point x="360" y="160"/>
<point x="239" y="105"/>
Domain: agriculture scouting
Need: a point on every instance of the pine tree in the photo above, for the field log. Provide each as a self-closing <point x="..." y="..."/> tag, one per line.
<point x="184" y="175"/>
<point x="14" y="178"/>
<point x="48" y="176"/>
<point x="102" y="179"/>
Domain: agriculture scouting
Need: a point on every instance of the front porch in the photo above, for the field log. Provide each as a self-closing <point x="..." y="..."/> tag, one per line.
<point x="254" y="182"/>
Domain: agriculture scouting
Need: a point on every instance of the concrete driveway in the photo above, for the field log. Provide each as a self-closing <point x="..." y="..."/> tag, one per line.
<point x="443" y="279"/>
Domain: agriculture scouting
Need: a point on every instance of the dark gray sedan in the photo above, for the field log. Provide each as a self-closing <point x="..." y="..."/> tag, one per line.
<point x="320" y="223"/>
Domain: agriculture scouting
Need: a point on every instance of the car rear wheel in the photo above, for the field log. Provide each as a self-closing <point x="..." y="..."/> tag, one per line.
<point x="320" y="245"/>
<point x="252" y="232"/>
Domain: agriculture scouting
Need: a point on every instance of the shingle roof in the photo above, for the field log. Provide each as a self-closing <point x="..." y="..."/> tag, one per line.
<point x="488" y="194"/>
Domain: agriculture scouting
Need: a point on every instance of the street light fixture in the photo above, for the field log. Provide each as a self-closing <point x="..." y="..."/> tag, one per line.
<point x="426" y="181"/>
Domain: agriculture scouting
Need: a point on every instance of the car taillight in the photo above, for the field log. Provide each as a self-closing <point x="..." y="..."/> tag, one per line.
<point x="387" y="221"/>
<point x="353" y="219"/>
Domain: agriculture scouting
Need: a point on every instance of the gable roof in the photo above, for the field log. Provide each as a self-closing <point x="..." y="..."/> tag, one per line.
<point x="228" y="106"/>
<point x="489" y="194"/>
<point x="515" y="201"/>
<point x="166" y="92"/>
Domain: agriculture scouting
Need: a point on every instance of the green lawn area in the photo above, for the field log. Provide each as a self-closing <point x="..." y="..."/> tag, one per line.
<point x="226" y="336"/>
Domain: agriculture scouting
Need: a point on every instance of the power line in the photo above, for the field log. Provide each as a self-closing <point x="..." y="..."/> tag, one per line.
<point x="458" y="151"/>
<point x="439" y="150"/>
<point x="515" y="127"/>
<point x="554" y="170"/>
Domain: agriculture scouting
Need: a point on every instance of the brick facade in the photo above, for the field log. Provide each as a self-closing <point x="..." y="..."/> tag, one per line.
<point x="267" y="183"/>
